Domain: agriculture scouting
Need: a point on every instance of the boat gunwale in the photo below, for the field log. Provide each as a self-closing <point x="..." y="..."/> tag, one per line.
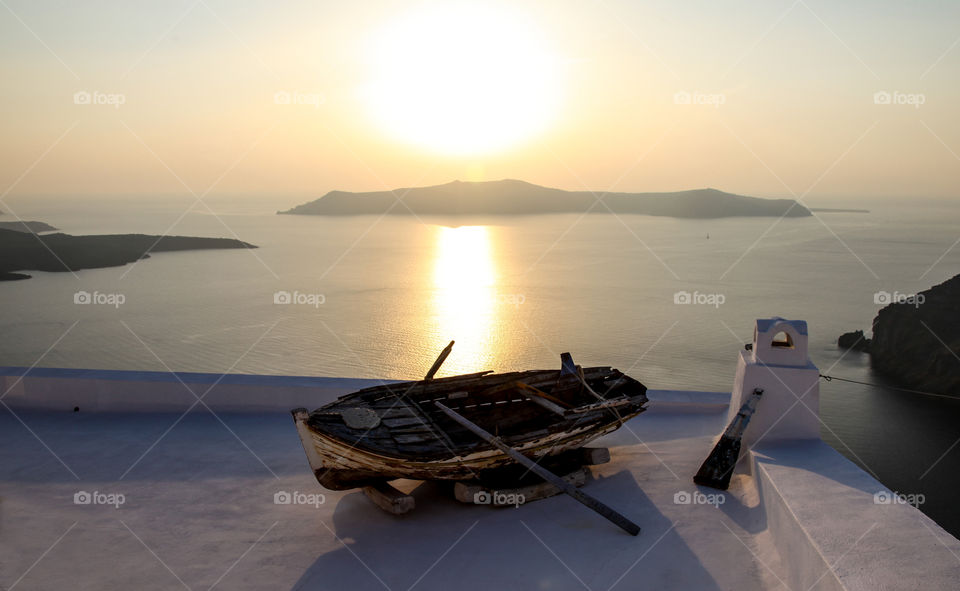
<point x="409" y="387"/>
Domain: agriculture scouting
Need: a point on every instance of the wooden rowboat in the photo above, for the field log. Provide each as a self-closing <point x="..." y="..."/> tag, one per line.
<point x="398" y="430"/>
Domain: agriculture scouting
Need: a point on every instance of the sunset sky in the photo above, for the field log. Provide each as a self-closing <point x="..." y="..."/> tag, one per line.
<point x="764" y="98"/>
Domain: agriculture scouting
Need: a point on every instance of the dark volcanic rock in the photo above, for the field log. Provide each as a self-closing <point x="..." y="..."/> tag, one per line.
<point x="855" y="340"/>
<point x="512" y="197"/>
<point x="917" y="343"/>
<point x="29" y="227"/>
<point x="14" y="276"/>
<point x="21" y="251"/>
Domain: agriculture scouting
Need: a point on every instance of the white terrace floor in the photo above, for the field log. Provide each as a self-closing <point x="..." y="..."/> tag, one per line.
<point x="199" y="512"/>
<point x="198" y="507"/>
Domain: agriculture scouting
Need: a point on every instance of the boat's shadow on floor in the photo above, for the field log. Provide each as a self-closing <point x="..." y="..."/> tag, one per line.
<point x="554" y="543"/>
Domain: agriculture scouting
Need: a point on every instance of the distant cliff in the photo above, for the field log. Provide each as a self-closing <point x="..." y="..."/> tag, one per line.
<point x="917" y="342"/>
<point x="512" y="197"/>
<point x="22" y="251"/>
<point x="29" y="227"/>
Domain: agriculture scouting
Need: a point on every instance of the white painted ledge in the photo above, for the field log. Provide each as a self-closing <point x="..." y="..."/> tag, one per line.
<point x="93" y="390"/>
<point x="822" y="515"/>
<point x="58" y="389"/>
<point x="693" y="400"/>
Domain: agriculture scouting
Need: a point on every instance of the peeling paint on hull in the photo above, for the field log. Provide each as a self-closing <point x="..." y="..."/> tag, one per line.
<point x="338" y="466"/>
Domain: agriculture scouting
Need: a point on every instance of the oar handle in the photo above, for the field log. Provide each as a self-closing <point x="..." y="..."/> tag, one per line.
<point x="440" y="359"/>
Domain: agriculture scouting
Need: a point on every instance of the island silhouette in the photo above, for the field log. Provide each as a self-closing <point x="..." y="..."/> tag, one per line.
<point x="514" y="197"/>
<point x="28" y="251"/>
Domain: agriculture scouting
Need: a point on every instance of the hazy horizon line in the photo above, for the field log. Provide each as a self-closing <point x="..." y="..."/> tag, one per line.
<point x="824" y="200"/>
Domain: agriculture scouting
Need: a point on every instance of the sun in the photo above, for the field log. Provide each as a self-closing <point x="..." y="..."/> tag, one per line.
<point x="462" y="78"/>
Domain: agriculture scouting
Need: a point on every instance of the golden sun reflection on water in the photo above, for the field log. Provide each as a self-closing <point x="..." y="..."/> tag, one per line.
<point x="464" y="305"/>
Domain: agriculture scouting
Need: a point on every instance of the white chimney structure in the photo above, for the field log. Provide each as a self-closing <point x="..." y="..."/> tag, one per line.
<point x="777" y="362"/>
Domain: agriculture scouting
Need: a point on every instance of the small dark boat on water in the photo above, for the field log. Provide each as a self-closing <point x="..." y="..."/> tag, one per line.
<point x="401" y="430"/>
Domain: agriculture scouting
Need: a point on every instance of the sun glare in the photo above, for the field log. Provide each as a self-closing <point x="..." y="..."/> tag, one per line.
<point x="464" y="281"/>
<point x="462" y="79"/>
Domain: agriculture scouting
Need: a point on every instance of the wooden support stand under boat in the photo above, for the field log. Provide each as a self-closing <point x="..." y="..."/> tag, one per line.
<point x="389" y="499"/>
<point x="508" y="483"/>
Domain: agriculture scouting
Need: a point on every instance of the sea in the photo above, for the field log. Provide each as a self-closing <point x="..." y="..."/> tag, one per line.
<point x="669" y="301"/>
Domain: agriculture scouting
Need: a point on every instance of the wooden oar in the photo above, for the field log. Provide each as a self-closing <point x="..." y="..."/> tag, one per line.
<point x="440" y="359"/>
<point x="627" y="525"/>
<point x="717" y="469"/>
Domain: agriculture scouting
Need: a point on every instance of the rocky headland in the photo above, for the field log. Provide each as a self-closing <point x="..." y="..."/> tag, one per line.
<point x="916" y="341"/>
<point x="22" y="250"/>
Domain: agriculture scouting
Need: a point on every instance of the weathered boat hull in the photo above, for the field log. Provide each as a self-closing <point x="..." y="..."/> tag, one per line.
<point x="398" y="431"/>
<point x="338" y="466"/>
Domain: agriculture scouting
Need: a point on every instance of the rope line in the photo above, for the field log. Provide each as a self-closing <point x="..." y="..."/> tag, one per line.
<point x="831" y="378"/>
